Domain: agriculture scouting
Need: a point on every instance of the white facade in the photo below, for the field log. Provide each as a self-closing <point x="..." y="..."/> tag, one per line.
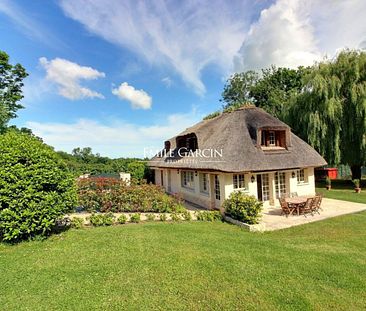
<point x="212" y="190"/>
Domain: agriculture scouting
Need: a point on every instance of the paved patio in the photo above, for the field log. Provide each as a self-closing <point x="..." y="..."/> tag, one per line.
<point x="272" y="219"/>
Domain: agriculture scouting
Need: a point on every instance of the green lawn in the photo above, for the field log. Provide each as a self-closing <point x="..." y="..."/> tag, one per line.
<point x="343" y="190"/>
<point x="190" y="266"/>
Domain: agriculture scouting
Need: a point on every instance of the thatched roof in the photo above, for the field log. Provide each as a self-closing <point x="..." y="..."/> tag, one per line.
<point x="235" y="134"/>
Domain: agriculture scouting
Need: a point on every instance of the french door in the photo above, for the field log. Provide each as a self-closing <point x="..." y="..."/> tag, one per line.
<point x="280" y="181"/>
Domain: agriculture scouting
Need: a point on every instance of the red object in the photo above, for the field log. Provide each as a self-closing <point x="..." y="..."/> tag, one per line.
<point x="323" y="173"/>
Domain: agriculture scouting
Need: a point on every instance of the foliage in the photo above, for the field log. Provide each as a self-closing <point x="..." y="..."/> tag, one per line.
<point x="150" y="217"/>
<point x="243" y="207"/>
<point x="356" y="182"/>
<point x="162" y="217"/>
<point x="175" y="217"/>
<point x="208" y="215"/>
<point x="328" y="181"/>
<point x="186" y="215"/>
<point x="122" y="219"/>
<point x="238" y="87"/>
<point x="330" y="113"/>
<point x="343" y="190"/>
<point x="137" y="169"/>
<point x="77" y="222"/>
<point x="112" y="195"/>
<point x="35" y="187"/>
<point x="101" y="219"/>
<point x="212" y="115"/>
<point x="136" y="218"/>
<point x="11" y="83"/>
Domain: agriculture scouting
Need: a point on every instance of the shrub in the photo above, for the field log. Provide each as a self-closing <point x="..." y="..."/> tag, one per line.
<point x="77" y="222"/>
<point x="113" y="195"/>
<point x="136" y="218"/>
<point x="36" y="188"/>
<point x="243" y="207"/>
<point x="122" y="219"/>
<point x="175" y="217"/>
<point x="208" y="216"/>
<point x="102" y="219"/>
<point x="150" y="217"/>
<point x="162" y="217"/>
<point x="186" y="215"/>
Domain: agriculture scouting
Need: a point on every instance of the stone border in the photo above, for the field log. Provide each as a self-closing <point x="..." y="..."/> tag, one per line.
<point x="247" y="227"/>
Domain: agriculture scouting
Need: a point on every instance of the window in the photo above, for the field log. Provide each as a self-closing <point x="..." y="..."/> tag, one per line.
<point x="187" y="179"/>
<point x="239" y="181"/>
<point x="217" y="188"/>
<point x="272" y="138"/>
<point x="203" y="183"/>
<point x="301" y="176"/>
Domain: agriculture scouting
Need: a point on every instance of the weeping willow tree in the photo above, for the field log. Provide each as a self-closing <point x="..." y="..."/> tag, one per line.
<point x="330" y="112"/>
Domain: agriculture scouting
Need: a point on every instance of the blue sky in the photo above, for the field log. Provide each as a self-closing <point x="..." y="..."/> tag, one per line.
<point x="121" y="76"/>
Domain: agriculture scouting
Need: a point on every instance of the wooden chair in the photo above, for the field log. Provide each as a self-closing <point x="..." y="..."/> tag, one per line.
<point x="320" y="198"/>
<point x="286" y="208"/>
<point x="315" y="204"/>
<point x="306" y="208"/>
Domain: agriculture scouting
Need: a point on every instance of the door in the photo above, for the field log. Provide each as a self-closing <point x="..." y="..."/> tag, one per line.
<point x="263" y="187"/>
<point x="280" y="181"/>
<point x="169" y="181"/>
<point x="162" y="178"/>
<point x="217" y="191"/>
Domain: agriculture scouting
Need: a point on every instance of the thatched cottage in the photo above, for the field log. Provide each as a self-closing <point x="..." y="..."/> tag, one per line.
<point x="246" y="150"/>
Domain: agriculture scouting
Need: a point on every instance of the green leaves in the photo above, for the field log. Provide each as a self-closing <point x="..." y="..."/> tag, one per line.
<point x="35" y="188"/>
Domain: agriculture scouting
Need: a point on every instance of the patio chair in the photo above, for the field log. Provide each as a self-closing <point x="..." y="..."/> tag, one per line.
<point x="287" y="209"/>
<point x="306" y="208"/>
<point x="320" y="198"/>
<point x="315" y="204"/>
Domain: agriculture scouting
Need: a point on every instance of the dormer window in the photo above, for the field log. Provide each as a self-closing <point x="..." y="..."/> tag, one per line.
<point x="187" y="143"/>
<point x="273" y="139"/>
<point x="167" y="145"/>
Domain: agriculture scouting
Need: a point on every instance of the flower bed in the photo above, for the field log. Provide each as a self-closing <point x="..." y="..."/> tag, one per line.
<point x="113" y="195"/>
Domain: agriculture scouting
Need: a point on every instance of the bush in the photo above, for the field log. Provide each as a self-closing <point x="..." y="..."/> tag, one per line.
<point x="136" y="218"/>
<point x="175" y="217"/>
<point x="243" y="207"/>
<point x="113" y="195"/>
<point x="162" y="217"/>
<point x="122" y="219"/>
<point x="36" y="189"/>
<point x="102" y="219"/>
<point x="187" y="215"/>
<point x="77" y="222"/>
<point x="208" y="216"/>
<point x="150" y="217"/>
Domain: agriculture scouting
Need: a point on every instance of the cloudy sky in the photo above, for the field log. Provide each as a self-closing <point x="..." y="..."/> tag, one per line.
<point x="121" y="76"/>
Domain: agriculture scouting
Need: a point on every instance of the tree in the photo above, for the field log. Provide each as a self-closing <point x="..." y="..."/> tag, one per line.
<point x="274" y="90"/>
<point x="330" y="112"/>
<point x="237" y="89"/>
<point x="11" y="83"/>
<point x="35" y="187"/>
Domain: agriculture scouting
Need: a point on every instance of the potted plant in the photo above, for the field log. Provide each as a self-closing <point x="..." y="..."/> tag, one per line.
<point x="356" y="182"/>
<point x="328" y="183"/>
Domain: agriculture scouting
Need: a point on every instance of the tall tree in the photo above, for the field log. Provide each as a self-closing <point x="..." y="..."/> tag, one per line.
<point x="273" y="91"/>
<point x="330" y="113"/>
<point x="11" y="83"/>
<point x="237" y="89"/>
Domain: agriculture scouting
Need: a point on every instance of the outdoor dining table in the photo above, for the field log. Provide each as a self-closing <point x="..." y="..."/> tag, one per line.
<point x="297" y="201"/>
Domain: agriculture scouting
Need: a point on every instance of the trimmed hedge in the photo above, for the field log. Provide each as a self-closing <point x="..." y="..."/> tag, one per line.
<point x="243" y="207"/>
<point x="35" y="187"/>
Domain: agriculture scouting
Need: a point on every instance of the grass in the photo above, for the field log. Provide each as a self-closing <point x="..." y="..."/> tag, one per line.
<point x="190" y="266"/>
<point x="343" y="190"/>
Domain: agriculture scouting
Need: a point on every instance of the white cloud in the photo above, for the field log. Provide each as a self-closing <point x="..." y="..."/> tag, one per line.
<point x="139" y="99"/>
<point x="167" y="82"/>
<point x="115" y="138"/>
<point x="185" y="35"/>
<point x="293" y="32"/>
<point x="67" y="76"/>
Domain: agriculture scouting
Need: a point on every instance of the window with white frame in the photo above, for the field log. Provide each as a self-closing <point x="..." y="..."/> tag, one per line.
<point x="203" y="183"/>
<point x="187" y="179"/>
<point x="239" y="181"/>
<point x="272" y="138"/>
<point x="301" y="177"/>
